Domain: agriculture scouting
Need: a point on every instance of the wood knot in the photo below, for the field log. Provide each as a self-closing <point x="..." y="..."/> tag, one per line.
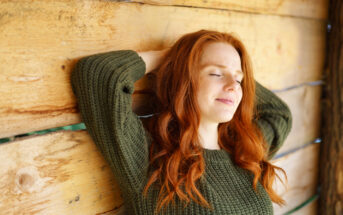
<point x="26" y="181"/>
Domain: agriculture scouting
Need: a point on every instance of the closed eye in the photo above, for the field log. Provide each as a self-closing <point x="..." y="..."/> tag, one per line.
<point x="218" y="75"/>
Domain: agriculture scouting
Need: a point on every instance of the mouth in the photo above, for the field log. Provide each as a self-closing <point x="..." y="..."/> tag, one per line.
<point x="226" y="101"/>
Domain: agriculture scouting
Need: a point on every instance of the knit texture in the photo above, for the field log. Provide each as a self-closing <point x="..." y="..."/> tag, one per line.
<point x="103" y="85"/>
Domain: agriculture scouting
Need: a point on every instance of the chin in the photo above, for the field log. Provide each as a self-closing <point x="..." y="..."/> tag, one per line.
<point x="225" y="119"/>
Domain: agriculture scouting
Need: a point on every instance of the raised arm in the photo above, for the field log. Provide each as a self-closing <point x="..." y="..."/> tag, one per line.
<point x="103" y="85"/>
<point x="274" y="118"/>
<point x="152" y="58"/>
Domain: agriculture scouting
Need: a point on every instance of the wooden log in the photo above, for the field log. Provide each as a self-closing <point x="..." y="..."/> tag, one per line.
<point x="304" y="103"/>
<point x="34" y="80"/>
<point x="57" y="173"/>
<point x="63" y="173"/>
<point x="331" y="166"/>
<point x="301" y="167"/>
<point x="301" y="8"/>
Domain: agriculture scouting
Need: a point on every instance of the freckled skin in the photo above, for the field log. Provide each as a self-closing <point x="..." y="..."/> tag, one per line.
<point x="219" y="82"/>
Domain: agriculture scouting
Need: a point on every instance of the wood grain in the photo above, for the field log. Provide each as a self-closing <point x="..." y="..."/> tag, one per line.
<point x="57" y="173"/>
<point x="331" y="165"/>
<point x="301" y="167"/>
<point x="41" y="43"/>
<point x="304" y="103"/>
<point x="315" y="9"/>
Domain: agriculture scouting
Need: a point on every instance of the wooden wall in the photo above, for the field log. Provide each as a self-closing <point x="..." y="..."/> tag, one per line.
<point x="41" y="41"/>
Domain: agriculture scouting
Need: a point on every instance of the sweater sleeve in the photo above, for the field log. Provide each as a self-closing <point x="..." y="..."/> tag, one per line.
<point x="273" y="117"/>
<point x="103" y="85"/>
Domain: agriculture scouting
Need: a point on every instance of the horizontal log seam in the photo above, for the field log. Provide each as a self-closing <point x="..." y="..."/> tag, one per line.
<point x="303" y="204"/>
<point x="315" y="141"/>
<point x="309" y="83"/>
<point x="224" y="9"/>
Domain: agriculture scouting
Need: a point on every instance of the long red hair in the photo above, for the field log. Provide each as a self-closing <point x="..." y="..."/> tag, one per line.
<point x="176" y="156"/>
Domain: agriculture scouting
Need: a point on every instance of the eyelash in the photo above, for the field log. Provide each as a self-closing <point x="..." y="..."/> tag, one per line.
<point x="217" y="75"/>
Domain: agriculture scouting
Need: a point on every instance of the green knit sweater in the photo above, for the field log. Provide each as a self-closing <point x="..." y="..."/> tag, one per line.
<point x="103" y="85"/>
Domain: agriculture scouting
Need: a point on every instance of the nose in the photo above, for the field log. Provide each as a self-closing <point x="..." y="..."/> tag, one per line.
<point x="231" y="84"/>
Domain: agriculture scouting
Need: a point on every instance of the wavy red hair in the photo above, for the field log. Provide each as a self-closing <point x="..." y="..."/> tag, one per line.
<point x="176" y="156"/>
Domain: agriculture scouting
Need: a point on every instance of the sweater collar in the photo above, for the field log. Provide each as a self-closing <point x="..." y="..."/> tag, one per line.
<point x="216" y="155"/>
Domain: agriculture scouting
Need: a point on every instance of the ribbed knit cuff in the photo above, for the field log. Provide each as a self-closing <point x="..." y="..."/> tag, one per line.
<point x="139" y="67"/>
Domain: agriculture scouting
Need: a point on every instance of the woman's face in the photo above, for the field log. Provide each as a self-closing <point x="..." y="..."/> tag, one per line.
<point x="220" y="91"/>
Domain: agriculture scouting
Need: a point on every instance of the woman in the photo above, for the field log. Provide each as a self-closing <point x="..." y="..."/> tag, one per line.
<point x="206" y="149"/>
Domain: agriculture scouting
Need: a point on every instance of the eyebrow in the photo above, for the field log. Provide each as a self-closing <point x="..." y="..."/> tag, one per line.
<point x="220" y="66"/>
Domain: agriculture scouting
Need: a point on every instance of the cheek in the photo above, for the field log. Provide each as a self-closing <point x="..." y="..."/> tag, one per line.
<point x="209" y="87"/>
<point x="206" y="93"/>
<point x="240" y="96"/>
<point x="202" y="94"/>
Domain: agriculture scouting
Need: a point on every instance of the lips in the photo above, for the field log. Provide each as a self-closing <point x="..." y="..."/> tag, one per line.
<point x="226" y="101"/>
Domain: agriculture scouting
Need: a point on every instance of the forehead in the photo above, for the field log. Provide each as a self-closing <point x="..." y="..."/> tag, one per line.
<point x="219" y="53"/>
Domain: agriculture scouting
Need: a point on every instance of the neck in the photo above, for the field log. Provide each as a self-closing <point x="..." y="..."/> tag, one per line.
<point x="208" y="135"/>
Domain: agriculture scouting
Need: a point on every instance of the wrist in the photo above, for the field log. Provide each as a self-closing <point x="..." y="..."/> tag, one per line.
<point x="152" y="59"/>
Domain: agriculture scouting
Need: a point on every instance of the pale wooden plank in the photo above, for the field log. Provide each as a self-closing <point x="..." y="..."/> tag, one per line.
<point x="34" y="79"/>
<point x="304" y="103"/>
<point x="315" y="9"/>
<point x="57" y="173"/>
<point x="302" y="172"/>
